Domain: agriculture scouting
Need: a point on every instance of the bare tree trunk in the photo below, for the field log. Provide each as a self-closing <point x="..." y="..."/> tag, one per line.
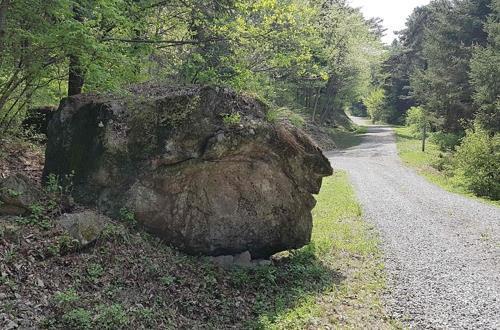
<point x="75" y="76"/>
<point x="318" y="95"/>
<point x="424" y="136"/>
<point x="330" y="93"/>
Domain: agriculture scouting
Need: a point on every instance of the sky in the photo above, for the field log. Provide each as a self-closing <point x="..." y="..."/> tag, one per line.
<point x="393" y="12"/>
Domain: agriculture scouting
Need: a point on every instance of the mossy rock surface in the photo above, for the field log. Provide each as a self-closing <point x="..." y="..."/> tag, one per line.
<point x="205" y="184"/>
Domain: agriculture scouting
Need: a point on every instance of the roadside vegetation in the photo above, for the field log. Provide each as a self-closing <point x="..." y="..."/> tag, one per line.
<point x="345" y="138"/>
<point x="441" y="80"/>
<point x="129" y="279"/>
<point x="442" y="167"/>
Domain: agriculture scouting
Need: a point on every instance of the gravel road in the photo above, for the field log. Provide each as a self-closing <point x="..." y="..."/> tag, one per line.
<point x="442" y="250"/>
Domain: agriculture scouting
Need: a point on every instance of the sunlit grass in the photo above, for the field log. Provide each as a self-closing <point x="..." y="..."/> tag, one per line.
<point x="410" y="151"/>
<point x="346" y="139"/>
<point x="344" y="243"/>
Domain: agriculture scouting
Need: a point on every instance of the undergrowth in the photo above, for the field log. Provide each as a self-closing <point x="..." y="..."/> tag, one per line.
<point x="434" y="164"/>
<point x="129" y="279"/>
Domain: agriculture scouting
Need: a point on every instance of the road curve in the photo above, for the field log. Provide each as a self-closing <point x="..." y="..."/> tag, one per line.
<point x="442" y="250"/>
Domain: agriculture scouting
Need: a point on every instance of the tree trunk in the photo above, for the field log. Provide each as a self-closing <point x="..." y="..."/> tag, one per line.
<point x="75" y="76"/>
<point x="318" y="95"/>
<point x="424" y="136"/>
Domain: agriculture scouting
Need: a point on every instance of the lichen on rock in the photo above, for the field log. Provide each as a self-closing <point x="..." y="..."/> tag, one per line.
<point x="168" y="155"/>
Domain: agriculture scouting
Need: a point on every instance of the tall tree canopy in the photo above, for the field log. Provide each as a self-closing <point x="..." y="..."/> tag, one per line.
<point x="447" y="61"/>
<point x="317" y="54"/>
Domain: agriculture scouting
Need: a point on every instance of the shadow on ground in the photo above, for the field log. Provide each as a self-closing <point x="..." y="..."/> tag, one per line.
<point x="130" y="278"/>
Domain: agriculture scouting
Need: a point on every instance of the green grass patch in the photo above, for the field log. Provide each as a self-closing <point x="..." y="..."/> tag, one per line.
<point x="410" y="151"/>
<point x="344" y="276"/>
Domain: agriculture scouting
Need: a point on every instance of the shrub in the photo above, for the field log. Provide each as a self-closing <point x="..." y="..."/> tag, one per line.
<point x="77" y="319"/>
<point x="375" y="104"/>
<point x="477" y="162"/>
<point x="112" y="317"/>
<point x="445" y="141"/>
<point x="66" y="298"/>
<point x="415" y="119"/>
<point x="232" y="119"/>
<point x="284" y="114"/>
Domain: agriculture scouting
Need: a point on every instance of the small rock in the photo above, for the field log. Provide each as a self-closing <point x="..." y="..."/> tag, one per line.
<point x="17" y="194"/>
<point x="10" y="232"/>
<point x="243" y="259"/>
<point x="85" y="226"/>
<point x="11" y="325"/>
<point x="40" y="283"/>
<point x="223" y="261"/>
<point x="264" y="262"/>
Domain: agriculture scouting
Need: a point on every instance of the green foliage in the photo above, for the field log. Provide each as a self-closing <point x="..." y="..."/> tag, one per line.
<point x="78" y="318"/>
<point x="232" y="119"/>
<point x="485" y="73"/>
<point x="478" y="162"/>
<point x="446" y="141"/>
<point x="128" y="217"/>
<point x="167" y="280"/>
<point x="13" y="193"/>
<point x="416" y="119"/>
<point x="375" y="105"/>
<point x="284" y="114"/>
<point x="111" y="317"/>
<point x="436" y="166"/>
<point x="66" y="298"/>
<point x="94" y="271"/>
<point x="319" y="56"/>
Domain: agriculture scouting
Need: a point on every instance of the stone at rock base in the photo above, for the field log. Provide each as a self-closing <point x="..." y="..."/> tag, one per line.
<point x="203" y="184"/>
<point x="264" y="262"/>
<point x="223" y="261"/>
<point x="17" y="194"/>
<point x="84" y="226"/>
<point x="9" y="231"/>
<point x="243" y="260"/>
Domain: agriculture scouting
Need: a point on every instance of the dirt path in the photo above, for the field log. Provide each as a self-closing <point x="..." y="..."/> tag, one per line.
<point x="442" y="250"/>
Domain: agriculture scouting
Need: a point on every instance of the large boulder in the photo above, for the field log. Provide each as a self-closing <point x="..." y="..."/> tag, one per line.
<point x="200" y="167"/>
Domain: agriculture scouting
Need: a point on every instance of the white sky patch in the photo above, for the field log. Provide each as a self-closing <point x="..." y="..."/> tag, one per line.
<point x="393" y="12"/>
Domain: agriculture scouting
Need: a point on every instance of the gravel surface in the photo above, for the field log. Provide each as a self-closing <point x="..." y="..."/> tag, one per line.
<point x="442" y="250"/>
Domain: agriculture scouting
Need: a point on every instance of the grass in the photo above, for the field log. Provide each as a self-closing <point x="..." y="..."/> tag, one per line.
<point x="410" y="151"/>
<point x="131" y="278"/>
<point x="345" y="139"/>
<point x="342" y="242"/>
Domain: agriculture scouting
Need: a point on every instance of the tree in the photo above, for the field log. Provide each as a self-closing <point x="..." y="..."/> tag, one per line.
<point x="375" y="105"/>
<point x="443" y="86"/>
<point x="485" y="75"/>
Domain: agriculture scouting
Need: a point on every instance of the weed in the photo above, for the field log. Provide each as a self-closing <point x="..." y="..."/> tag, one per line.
<point x="240" y="277"/>
<point x="231" y="119"/>
<point x="128" y="217"/>
<point x="167" y="280"/>
<point x="145" y="316"/>
<point x="66" y="298"/>
<point x="94" y="271"/>
<point x="79" y="318"/>
<point x="9" y="255"/>
<point x="111" y="317"/>
<point x="13" y="194"/>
